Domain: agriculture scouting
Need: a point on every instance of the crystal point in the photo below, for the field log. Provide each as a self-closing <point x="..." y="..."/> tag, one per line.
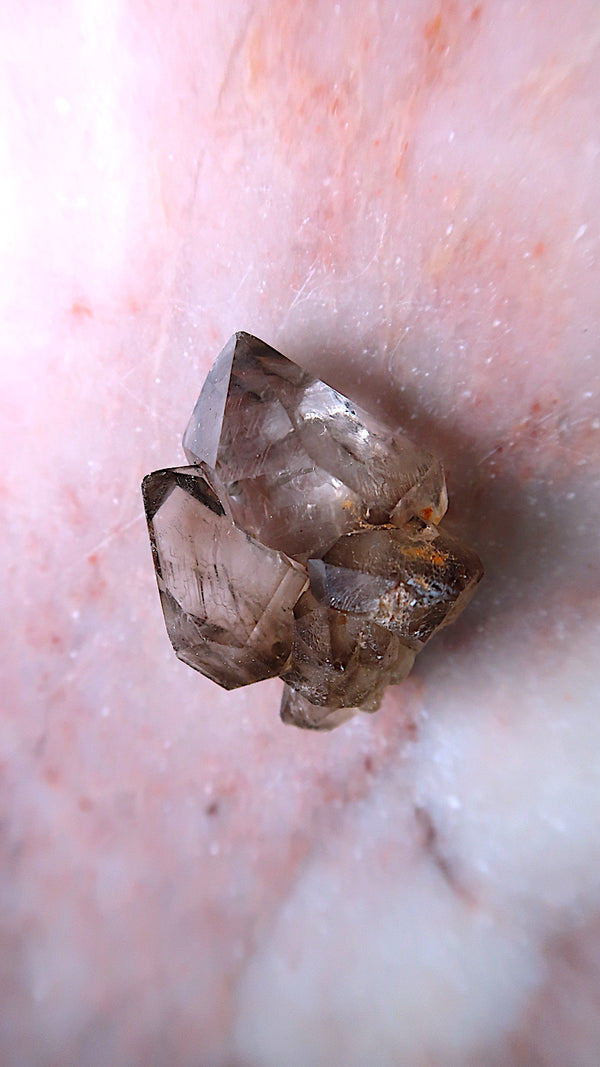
<point x="296" y="710"/>
<point x="301" y="462"/>
<point x="411" y="580"/>
<point x="228" y="600"/>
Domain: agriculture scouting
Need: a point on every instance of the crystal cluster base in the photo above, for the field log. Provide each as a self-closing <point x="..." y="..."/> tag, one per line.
<point x="302" y="541"/>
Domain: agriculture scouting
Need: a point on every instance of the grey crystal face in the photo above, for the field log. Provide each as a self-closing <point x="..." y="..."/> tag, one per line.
<point x="302" y="541"/>
<point x="411" y="580"/>
<point x="228" y="600"/>
<point x="302" y="464"/>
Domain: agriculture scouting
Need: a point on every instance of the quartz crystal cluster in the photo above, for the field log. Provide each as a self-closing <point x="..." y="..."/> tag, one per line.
<point x="301" y="541"/>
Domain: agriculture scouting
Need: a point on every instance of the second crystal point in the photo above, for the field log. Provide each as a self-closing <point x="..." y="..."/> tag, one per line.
<point x="228" y="600"/>
<point x="411" y="580"/>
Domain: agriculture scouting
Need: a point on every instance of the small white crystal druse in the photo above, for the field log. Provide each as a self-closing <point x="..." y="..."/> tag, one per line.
<point x="302" y="540"/>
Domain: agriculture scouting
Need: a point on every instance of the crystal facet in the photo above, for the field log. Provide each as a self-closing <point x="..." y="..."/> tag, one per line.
<point x="302" y="541"/>
<point x="340" y="659"/>
<point x="296" y="710"/>
<point x="302" y="464"/>
<point x="228" y="600"/>
<point x="412" y="579"/>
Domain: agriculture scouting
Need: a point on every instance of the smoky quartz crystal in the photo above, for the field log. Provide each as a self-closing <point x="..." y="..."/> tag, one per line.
<point x="301" y="541"/>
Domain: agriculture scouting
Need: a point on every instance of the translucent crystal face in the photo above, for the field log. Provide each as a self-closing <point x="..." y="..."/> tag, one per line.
<point x="302" y="540"/>
<point x="228" y="600"/>
<point x="302" y="464"/>
<point x="410" y="580"/>
<point x="340" y="659"/>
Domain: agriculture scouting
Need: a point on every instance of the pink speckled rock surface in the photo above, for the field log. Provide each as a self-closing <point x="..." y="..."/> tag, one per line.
<point x="403" y="199"/>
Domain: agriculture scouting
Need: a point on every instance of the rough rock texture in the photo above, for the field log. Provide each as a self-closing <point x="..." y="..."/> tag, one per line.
<point x="291" y="482"/>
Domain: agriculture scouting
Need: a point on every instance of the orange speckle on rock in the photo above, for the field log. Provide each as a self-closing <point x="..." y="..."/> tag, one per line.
<point x="476" y="13"/>
<point x="426" y="513"/>
<point x="433" y="27"/>
<point x="539" y="249"/>
<point x="81" y="311"/>
<point x="73" y="508"/>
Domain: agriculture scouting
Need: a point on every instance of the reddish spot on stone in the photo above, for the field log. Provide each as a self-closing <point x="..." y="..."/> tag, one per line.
<point x="476" y="13"/>
<point x="72" y="506"/>
<point x="368" y="765"/>
<point x="81" y="311"/>
<point x="212" y="808"/>
<point x="85" y="804"/>
<point x="433" y="27"/>
<point x="51" y="776"/>
<point x="539" y="249"/>
<point x="97" y="585"/>
<point x="399" y="172"/>
<point x="411" y="730"/>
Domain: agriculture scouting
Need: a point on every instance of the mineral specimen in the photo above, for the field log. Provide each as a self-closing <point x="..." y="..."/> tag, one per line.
<point x="302" y="541"/>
